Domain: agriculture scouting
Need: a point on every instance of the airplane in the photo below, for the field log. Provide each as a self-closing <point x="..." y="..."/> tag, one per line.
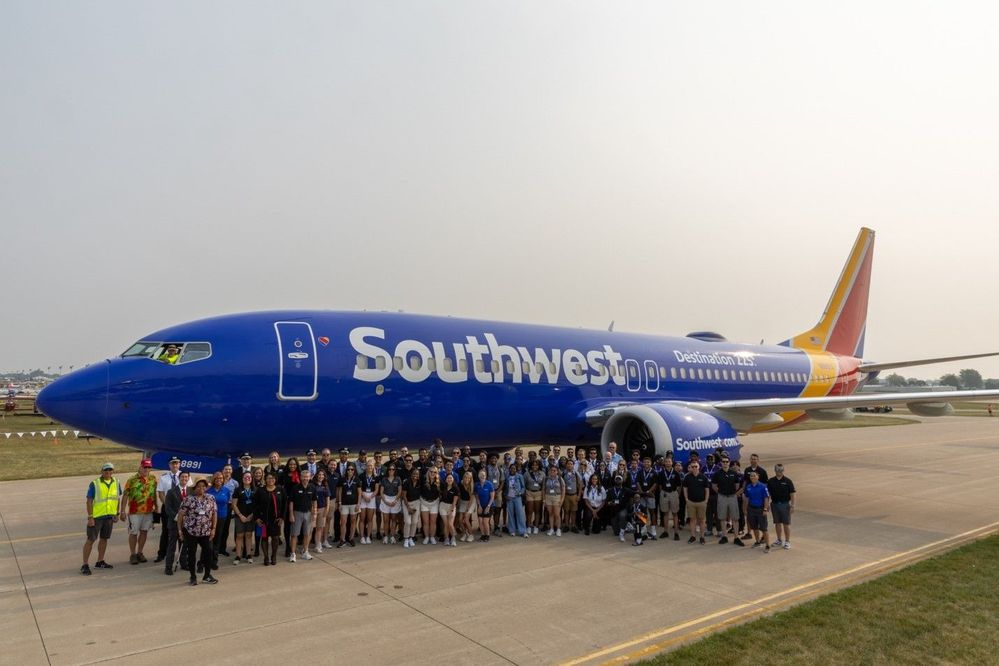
<point x="293" y="380"/>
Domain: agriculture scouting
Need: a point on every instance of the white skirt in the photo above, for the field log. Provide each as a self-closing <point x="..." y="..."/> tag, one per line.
<point x="387" y="508"/>
<point x="367" y="500"/>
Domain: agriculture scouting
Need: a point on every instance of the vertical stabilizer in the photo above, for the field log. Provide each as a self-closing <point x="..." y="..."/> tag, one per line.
<point x="844" y="321"/>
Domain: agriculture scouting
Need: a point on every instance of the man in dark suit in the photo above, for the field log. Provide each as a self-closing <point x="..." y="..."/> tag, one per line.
<point x="171" y="505"/>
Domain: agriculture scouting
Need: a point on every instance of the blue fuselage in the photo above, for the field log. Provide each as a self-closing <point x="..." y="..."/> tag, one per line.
<point x="298" y="379"/>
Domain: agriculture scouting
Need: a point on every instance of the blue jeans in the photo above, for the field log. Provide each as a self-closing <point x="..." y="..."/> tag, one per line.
<point x="516" y="519"/>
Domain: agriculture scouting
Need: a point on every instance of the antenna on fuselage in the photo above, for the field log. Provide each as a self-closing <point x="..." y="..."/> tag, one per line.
<point x="610" y="329"/>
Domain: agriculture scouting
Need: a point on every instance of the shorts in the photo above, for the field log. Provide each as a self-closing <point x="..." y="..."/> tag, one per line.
<point x="349" y="510"/>
<point x="446" y="509"/>
<point x="757" y="518"/>
<point x="429" y="506"/>
<point x="244" y="528"/>
<point x="649" y="503"/>
<point x="367" y="501"/>
<point x="570" y="503"/>
<point x="669" y="502"/>
<point x="485" y="513"/>
<point x="387" y="508"/>
<point x="101" y="529"/>
<point x="728" y="507"/>
<point x="302" y="525"/>
<point x="533" y="496"/>
<point x="466" y="506"/>
<point x="781" y="512"/>
<point x="553" y="500"/>
<point x="139" y="522"/>
<point x="697" y="511"/>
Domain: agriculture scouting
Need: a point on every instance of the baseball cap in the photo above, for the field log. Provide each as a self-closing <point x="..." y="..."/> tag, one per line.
<point x="107" y="466"/>
<point x="145" y="463"/>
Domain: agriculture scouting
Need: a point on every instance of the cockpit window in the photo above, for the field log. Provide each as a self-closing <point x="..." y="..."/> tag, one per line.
<point x="171" y="353"/>
<point x="195" y="351"/>
<point x="146" y="349"/>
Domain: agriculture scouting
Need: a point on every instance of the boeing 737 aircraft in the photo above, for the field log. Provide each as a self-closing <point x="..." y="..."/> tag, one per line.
<point x="292" y="380"/>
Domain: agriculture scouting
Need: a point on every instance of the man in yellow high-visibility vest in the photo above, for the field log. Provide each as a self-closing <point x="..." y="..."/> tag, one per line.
<point x="103" y="501"/>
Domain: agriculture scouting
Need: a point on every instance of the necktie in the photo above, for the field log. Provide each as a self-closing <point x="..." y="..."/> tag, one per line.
<point x="173" y="479"/>
<point x="183" y="493"/>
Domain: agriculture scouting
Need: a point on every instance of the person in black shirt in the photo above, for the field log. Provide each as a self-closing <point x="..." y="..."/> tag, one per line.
<point x="669" y="498"/>
<point x="242" y="510"/>
<point x="270" y="504"/>
<point x="347" y="496"/>
<point x="617" y="506"/>
<point x="727" y="485"/>
<point x="302" y="509"/>
<point x="696" y="490"/>
<point x="781" y="505"/>
<point x="410" y="507"/>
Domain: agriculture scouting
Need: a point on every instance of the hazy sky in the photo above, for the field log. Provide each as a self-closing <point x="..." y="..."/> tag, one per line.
<point x="671" y="166"/>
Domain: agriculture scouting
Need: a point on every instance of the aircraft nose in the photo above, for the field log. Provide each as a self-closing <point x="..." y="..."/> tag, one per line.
<point x="79" y="399"/>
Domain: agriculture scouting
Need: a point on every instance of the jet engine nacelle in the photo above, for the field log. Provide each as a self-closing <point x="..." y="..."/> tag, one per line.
<point x="657" y="429"/>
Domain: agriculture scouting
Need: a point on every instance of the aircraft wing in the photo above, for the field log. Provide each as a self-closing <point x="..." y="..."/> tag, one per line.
<point x="768" y="405"/>
<point x="877" y="367"/>
<point x="745" y="414"/>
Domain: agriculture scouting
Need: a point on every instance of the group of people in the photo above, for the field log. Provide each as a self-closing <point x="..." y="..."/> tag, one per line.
<point x="325" y="502"/>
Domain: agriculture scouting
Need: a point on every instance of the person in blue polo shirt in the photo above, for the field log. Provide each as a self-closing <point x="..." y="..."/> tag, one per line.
<point x="758" y="498"/>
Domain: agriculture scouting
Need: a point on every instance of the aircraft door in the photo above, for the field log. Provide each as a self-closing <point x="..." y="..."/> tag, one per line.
<point x="651" y="376"/>
<point x="298" y="370"/>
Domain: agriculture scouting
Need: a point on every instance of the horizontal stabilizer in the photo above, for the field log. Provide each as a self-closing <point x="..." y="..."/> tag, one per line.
<point x="876" y="367"/>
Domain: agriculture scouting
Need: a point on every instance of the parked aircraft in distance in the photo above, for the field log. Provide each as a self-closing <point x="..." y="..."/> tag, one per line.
<point x="291" y="380"/>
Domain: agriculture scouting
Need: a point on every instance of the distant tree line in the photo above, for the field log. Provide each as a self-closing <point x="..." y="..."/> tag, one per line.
<point x="968" y="379"/>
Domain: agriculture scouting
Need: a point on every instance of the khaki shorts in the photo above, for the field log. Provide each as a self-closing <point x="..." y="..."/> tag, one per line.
<point x="669" y="502"/>
<point x="466" y="506"/>
<point x="533" y="495"/>
<point x="431" y="506"/>
<point x="139" y="522"/>
<point x="553" y="500"/>
<point x="445" y="509"/>
<point x="570" y="503"/>
<point x="349" y="509"/>
<point x="697" y="511"/>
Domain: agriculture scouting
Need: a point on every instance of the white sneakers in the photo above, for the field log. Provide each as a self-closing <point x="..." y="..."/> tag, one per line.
<point x="558" y="532"/>
<point x="426" y="540"/>
<point x="778" y="542"/>
<point x="306" y="555"/>
<point x="319" y="548"/>
<point x="620" y="535"/>
<point x="433" y="541"/>
<point x="787" y="545"/>
<point x="292" y="558"/>
<point x="551" y="532"/>
<point x="391" y="539"/>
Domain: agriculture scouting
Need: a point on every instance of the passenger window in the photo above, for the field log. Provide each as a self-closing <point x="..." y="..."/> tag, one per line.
<point x="742" y="375"/>
<point x="432" y="365"/>
<point x="700" y="373"/>
<point x="725" y="375"/>
<point x="495" y="366"/>
<point x="380" y="362"/>
<point x="527" y="368"/>
<point x="195" y="351"/>
<point x="362" y="362"/>
<point x="509" y="367"/>
<point x="757" y="375"/>
<point x="540" y="367"/>
<point x="397" y="363"/>
<point x="415" y="362"/>
<point x="672" y="373"/>
<point x="683" y="373"/>
<point x="632" y="371"/>
<point x="717" y="374"/>
<point x="448" y="366"/>
<point x="662" y="372"/>
<point x="463" y="365"/>
<point x="480" y="366"/>
<point x="553" y="368"/>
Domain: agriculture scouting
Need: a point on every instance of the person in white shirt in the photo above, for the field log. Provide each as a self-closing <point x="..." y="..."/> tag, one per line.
<point x="615" y="457"/>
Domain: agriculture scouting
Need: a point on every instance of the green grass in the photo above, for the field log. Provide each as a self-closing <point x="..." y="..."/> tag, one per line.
<point x="45" y="457"/>
<point x="858" y="421"/>
<point x="944" y="610"/>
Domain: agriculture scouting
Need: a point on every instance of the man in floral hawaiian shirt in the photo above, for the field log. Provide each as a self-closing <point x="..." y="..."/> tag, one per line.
<point x="139" y="504"/>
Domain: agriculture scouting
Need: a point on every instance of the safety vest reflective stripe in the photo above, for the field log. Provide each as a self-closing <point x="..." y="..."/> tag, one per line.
<point x="105" y="498"/>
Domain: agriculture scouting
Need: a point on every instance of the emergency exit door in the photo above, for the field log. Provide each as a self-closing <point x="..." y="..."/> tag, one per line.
<point x="298" y="370"/>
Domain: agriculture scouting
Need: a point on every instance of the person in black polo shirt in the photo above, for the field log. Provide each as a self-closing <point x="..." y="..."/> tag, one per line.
<point x="617" y="507"/>
<point x="727" y="484"/>
<point x="781" y="505"/>
<point x="302" y="511"/>
<point x="696" y="490"/>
